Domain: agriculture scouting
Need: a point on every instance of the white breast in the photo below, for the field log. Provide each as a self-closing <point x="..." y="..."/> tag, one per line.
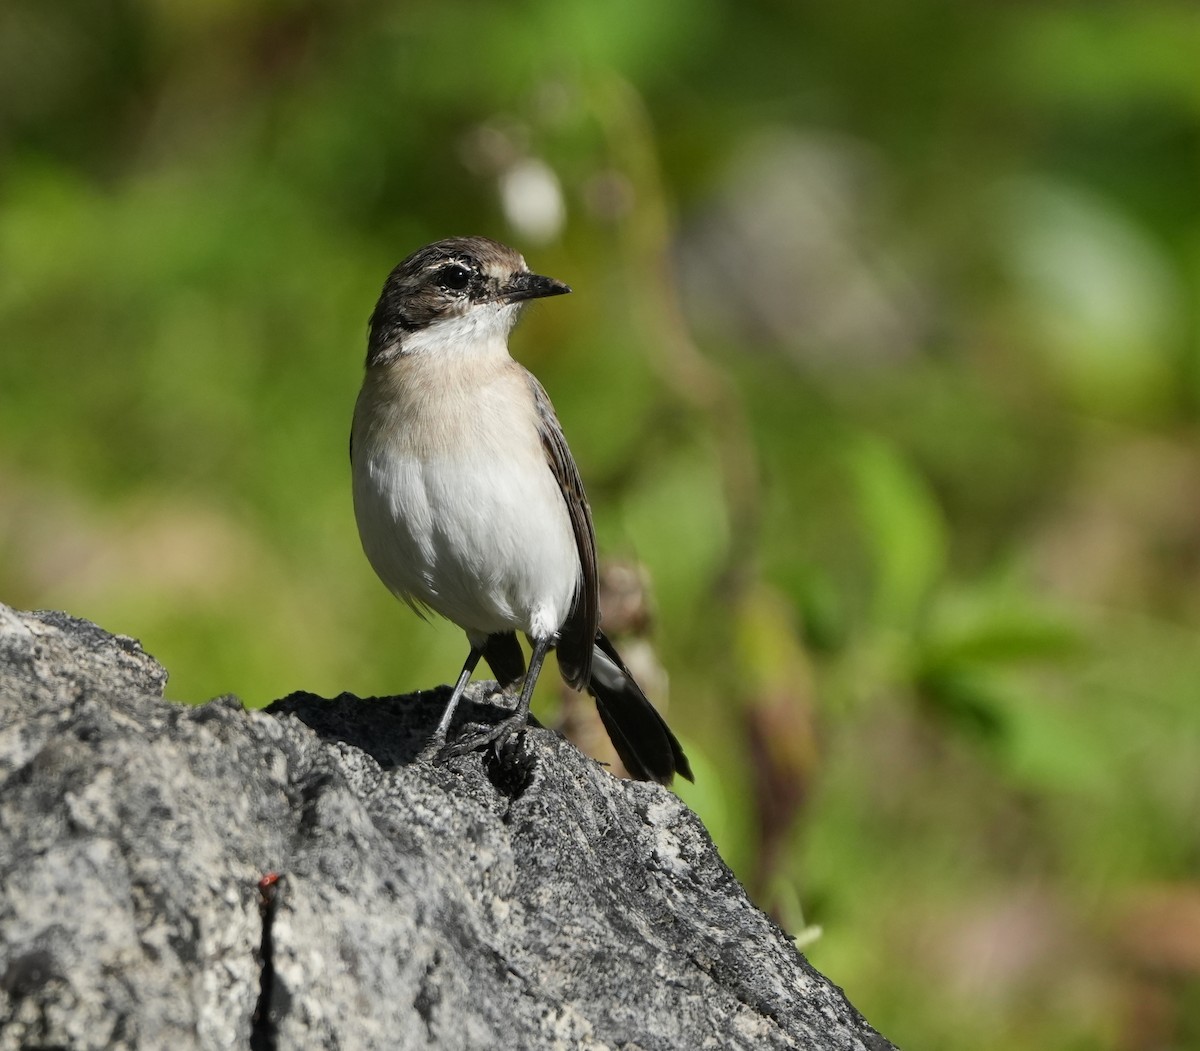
<point x="457" y="508"/>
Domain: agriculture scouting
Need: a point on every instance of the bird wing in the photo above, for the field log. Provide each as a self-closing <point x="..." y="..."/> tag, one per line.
<point x="578" y="633"/>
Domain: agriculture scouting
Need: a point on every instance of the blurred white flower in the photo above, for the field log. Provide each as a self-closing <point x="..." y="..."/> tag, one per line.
<point x="532" y="199"/>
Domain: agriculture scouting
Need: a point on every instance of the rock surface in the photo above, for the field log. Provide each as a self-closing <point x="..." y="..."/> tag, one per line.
<point x="539" y="903"/>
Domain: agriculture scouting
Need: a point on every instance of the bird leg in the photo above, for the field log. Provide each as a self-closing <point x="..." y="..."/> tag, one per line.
<point x="438" y="741"/>
<point x="514" y="723"/>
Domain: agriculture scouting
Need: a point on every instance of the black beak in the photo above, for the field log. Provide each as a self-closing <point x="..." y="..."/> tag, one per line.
<point x="532" y="286"/>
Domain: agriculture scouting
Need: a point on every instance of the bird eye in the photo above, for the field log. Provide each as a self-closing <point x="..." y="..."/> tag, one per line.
<point x="454" y="277"/>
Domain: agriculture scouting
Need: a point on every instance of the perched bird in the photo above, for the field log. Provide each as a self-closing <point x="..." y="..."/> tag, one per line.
<point x="469" y="502"/>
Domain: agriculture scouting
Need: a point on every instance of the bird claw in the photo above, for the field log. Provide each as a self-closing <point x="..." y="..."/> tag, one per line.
<point x="497" y="735"/>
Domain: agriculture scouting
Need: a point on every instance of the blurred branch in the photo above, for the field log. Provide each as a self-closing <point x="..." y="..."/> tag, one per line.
<point x="683" y="368"/>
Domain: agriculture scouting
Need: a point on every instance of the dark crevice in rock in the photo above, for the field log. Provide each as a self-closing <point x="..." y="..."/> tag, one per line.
<point x="28" y="973"/>
<point x="29" y="976"/>
<point x="263" y="1035"/>
<point x="510" y="768"/>
<point x="428" y="995"/>
<point x="732" y="981"/>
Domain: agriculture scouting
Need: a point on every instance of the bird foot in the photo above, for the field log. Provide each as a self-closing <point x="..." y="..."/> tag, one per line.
<point x="497" y="735"/>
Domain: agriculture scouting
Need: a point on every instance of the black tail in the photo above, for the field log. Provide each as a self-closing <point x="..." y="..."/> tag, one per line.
<point x="640" y="735"/>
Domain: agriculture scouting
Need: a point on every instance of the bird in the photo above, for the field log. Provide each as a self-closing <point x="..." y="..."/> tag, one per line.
<point x="469" y="504"/>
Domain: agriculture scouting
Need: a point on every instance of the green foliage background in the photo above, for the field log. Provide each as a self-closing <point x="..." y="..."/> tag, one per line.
<point x="884" y="360"/>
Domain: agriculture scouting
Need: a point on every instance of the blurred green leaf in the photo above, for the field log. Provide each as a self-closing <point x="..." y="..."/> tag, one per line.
<point x="675" y="523"/>
<point x="967" y="700"/>
<point x="902" y="527"/>
<point x="1053" y="747"/>
<point x="965" y="633"/>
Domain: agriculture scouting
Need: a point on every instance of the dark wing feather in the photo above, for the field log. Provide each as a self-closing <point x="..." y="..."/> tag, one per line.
<point x="503" y="653"/>
<point x="578" y="634"/>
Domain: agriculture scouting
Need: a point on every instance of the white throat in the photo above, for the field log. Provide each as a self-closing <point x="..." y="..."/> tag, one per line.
<point x="482" y="330"/>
